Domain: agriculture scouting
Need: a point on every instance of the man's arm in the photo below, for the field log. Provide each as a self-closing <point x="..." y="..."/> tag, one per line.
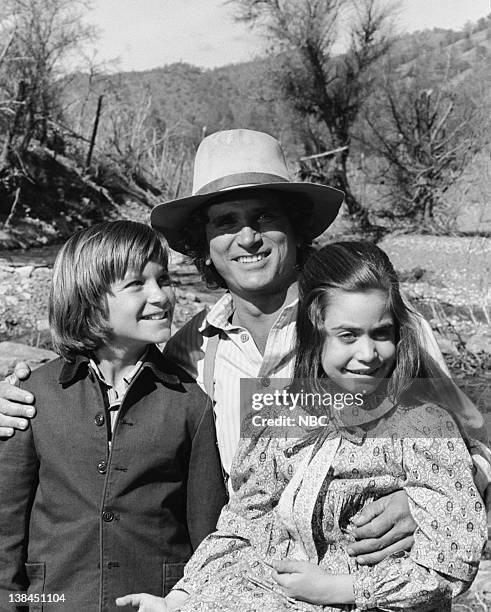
<point x="16" y="405"/>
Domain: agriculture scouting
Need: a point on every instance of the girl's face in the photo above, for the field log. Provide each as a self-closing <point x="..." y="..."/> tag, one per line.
<point x="360" y="348"/>
<point x="140" y="307"/>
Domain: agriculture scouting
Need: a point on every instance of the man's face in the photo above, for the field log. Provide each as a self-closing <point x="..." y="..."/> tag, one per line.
<point x="252" y="244"/>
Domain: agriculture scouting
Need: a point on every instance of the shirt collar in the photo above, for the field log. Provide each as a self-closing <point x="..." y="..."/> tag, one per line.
<point x="153" y="359"/>
<point x="220" y="314"/>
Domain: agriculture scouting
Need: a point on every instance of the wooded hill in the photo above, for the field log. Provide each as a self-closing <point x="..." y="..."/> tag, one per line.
<point x="151" y="123"/>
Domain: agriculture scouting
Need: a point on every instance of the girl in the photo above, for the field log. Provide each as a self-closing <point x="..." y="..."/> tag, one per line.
<point x="118" y="479"/>
<point x="282" y="540"/>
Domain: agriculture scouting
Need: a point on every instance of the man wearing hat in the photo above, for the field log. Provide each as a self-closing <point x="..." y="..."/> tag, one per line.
<point x="248" y="229"/>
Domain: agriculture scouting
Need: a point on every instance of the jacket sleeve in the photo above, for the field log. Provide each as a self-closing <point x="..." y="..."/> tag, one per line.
<point x="18" y="483"/>
<point x="451" y="522"/>
<point x="247" y="527"/>
<point x="206" y="492"/>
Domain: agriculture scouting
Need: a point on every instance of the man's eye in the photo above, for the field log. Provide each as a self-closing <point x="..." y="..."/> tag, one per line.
<point x="164" y="280"/>
<point x="266" y="217"/>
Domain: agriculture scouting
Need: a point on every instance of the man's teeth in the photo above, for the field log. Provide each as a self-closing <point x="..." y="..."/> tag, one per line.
<point x="251" y="258"/>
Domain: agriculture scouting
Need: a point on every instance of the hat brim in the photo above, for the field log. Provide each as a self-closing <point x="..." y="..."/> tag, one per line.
<point x="171" y="217"/>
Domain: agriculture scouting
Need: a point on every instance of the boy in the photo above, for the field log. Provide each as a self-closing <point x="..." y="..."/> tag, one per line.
<point x="118" y="479"/>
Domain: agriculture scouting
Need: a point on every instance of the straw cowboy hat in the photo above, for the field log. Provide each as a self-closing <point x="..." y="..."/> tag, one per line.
<point x="235" y="161"/>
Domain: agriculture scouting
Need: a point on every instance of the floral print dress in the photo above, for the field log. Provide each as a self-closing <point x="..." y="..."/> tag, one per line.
<point x="295" y="498"/>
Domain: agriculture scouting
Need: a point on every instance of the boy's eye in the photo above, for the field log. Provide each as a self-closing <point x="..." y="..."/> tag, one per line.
<point x="136" y="282"/>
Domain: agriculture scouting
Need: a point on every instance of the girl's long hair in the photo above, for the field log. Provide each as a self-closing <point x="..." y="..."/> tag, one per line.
<point x="355" y="267"/>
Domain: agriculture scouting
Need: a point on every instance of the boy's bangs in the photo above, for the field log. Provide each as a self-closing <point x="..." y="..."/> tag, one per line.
<point x="133" y="252"/>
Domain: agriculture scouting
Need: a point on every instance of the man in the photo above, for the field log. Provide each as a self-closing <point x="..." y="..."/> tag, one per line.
<point x="247" y="227"/>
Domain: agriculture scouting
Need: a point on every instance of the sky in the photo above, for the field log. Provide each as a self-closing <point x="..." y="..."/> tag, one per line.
<point x="146" y="34"/>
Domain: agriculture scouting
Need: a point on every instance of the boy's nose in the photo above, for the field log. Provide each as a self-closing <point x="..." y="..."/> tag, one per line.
<point x="161" y="295"/>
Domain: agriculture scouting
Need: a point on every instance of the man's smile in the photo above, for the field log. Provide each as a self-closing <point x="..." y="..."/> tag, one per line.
<point x="248" y="259"/>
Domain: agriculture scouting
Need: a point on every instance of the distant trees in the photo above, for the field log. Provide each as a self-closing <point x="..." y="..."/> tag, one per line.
<point x="327" y="88"/>
<point x="37" y="38"/>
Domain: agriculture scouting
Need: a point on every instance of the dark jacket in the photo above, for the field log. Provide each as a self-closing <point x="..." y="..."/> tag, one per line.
<point x="91" y="525"/>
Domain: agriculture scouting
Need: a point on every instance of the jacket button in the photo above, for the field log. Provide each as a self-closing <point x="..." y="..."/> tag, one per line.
<point x="265" y="382"/>
<point x="102" y="467"/>
<point x="108" y="516"/>
<point x="99" y="419"/>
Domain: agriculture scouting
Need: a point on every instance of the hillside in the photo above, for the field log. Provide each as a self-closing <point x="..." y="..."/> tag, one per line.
<point x="152" y="121"/>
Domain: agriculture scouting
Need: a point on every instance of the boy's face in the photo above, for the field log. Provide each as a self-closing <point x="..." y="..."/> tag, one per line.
<point x="140" y="308"/>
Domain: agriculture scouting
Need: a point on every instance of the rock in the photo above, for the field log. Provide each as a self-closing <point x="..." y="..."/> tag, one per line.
<point x="480" y="342"/>
<point x="13" y="352"/>
<point x="25" y="271"/>
<point x="446" y="345"/>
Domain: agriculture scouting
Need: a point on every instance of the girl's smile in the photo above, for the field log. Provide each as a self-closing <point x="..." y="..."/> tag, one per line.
<point x="360" y="348"/>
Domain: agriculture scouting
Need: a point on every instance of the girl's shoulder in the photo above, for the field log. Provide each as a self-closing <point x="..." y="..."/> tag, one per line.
<point x="427" y="419"/>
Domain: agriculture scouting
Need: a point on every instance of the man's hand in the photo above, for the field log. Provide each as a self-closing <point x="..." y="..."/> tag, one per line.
<point x="15" y="402"/>
<point x="143" y="602"/>
<point x="383" y="528"/>
<point x="308" y="582"/>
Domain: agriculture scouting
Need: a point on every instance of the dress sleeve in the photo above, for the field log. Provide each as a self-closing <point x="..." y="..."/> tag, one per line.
<point x="247" y="526"/>
<point x="18" y="483"/>
<point x="450" y="516"/>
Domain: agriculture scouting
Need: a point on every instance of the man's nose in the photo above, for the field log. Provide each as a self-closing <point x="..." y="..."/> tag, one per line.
<point x="248" y="236"/>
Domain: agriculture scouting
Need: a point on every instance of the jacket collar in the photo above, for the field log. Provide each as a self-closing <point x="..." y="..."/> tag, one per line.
<point x="72" y="371"/>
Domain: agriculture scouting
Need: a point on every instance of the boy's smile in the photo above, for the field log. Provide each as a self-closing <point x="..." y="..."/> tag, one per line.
<point x="140" y="307"/>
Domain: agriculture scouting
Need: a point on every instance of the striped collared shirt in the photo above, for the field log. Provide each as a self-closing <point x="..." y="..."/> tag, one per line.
<point x="237" y="357"/>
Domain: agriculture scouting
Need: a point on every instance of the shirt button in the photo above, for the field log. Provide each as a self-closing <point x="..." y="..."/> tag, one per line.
<point x="102" y="467"/>
<point x="244" y="337"/>
<point x="108" y="516"/>
<point x="265" y="382"/>
<point x="99" y="419"/>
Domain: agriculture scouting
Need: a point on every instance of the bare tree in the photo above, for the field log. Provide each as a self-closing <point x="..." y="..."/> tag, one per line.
<point x="44" y="34"/>
<point x="425" y="136"/>
<point x="327" y="87"/>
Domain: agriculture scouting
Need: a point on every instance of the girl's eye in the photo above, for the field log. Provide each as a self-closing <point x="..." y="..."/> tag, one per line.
<point x="347" y="337"/>
<point x="385" y="334"/>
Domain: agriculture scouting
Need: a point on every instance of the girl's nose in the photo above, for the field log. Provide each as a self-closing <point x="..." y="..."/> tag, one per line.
<point x="366" y="350"/>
